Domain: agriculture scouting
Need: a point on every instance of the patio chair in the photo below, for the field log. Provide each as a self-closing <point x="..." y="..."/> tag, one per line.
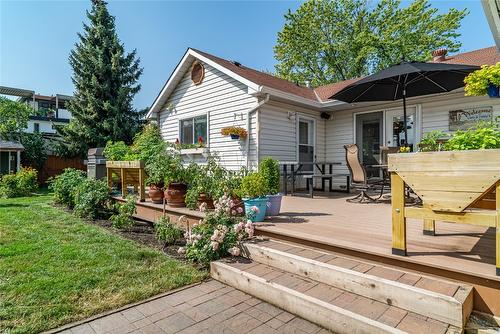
<point x="359" y="180"/>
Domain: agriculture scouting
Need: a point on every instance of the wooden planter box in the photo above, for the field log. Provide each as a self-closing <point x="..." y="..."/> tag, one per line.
<point x="130" y="173"/>
<point x="452" y="185"/>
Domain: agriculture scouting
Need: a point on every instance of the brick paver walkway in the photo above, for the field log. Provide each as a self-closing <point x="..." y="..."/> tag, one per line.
<point x="210" y="307"/>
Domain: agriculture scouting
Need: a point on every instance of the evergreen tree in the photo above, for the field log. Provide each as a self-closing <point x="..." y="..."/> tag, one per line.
<point x="105" y="79"/>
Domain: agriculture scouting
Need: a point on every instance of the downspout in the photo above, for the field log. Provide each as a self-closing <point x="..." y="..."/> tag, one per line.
<point x="249" y="113"/>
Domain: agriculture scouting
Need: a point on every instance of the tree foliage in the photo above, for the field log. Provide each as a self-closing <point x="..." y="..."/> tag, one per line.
<point x="14" y="118"/>
<point x="105" y="78"/>
<point x="326" y="41"/>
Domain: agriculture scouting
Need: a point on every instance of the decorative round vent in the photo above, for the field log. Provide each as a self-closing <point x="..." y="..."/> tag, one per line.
<point x="197" y="73"/>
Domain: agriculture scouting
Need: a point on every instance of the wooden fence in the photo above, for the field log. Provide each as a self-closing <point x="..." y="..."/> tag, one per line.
<point x="55" y="165"/>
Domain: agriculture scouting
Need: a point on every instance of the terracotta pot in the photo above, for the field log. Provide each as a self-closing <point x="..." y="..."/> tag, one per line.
<point x="176" y="194"/>
<point x="204" y="199"/>
<point x="238" y="204"/>
<point x="156" y="194"/>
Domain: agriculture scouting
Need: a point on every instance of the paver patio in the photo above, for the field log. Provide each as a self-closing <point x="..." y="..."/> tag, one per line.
<point x="209" y="307"/>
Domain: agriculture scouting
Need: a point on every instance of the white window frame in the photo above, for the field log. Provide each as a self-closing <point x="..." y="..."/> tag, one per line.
<point x="192" y="118"/>
<point x="297" y="135"/>
<point x="418" y="120"/>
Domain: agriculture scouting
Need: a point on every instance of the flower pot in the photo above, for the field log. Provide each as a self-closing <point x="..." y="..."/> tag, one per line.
<point x="493" y="90"/>
<point x="259" y="204"/>
<point x="202" y="198"/>
<point x="273" y="205"/>
<point x="155" y="193"/>
<point x="176" y="194"/>
<point x="234" y="136"/>
<point x="238" y="205"/>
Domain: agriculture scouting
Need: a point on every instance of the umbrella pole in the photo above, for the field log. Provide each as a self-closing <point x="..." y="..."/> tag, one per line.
<point x="404" y="116"/>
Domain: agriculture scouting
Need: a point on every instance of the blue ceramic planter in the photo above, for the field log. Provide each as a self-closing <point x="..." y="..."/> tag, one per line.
<point x="260" y="203"/>
<point x="493" y="91"/>
<point x="233" y="136"/>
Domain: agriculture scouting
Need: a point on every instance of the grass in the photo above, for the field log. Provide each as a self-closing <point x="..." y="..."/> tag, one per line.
<point x="56" y="268"/>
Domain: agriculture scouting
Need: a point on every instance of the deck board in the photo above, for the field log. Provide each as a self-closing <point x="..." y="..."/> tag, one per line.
<point x="367" y="227"/>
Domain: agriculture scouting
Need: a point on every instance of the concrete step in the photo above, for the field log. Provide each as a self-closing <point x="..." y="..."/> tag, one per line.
<point x="336" y="309"/>
<point x="445" y="301"/>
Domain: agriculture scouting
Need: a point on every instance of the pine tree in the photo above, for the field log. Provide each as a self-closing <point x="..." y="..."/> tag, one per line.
<point x="105" y="79"/>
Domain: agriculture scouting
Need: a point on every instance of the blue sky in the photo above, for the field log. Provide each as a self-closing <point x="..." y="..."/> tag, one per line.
<point x="37" y="36"/>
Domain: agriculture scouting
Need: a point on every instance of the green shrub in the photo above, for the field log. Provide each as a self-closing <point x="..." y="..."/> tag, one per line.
<point x="64" y="186"/>
<point x="123" y="219"/>
<point x="167" y="231"/>
<point x="430" y="141"/>
<point x="485" y="135"/>
<point x="148" y="143"/>
<point x="91" y="197"/>
<point x="270" y="170"/>
<point x="254" y="185"/>
<point x="8" y="186"/>
<point x="116" y="151"/>
<point x="23" y="183"/>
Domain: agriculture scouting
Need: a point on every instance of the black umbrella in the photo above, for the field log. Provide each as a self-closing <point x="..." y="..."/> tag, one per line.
<point x="406" y="80"/>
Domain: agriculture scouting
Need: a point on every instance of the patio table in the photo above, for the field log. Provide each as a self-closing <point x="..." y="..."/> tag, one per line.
<point x="298" y="169"/>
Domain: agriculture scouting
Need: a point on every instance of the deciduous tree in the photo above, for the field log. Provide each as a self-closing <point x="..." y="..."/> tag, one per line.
<point x="326" y="41"/>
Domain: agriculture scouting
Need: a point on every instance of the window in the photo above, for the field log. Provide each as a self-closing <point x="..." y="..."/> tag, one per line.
<point x="306" y="143"/>
<point x="193" y="128"/>
<point x="36" y="127"/>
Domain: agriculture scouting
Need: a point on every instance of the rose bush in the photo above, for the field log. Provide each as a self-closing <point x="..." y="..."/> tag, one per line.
<point x="217" y="235"/>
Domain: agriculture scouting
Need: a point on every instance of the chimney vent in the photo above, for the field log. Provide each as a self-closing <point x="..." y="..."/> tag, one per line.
<point x="439" y="54"/>
<point x="237" y="63"/>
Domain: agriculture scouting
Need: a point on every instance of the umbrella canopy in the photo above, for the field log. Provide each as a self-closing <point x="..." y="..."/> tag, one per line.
<point x="407" y="79"/>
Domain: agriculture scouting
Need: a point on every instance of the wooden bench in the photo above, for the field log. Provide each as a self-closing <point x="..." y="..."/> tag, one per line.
<point x="325" y="177"/>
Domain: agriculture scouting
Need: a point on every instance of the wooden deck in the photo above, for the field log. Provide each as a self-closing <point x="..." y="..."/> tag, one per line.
<point x="461" y="252"/>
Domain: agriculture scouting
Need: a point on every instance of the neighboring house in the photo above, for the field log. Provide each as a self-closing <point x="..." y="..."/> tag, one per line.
<point x="48" y="110"/>
<point x="10" y="156"/>
<point x="293" y="123"/>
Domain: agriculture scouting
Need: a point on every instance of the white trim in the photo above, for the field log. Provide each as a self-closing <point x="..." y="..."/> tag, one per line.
<point x="188" y="56"/>
<point x="179" y="120"/>
<point x="299" y="117"/>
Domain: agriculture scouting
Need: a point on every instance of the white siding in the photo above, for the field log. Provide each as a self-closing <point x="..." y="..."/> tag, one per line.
<point x="224" y="100"/>
<point x="435" y="113"/>
<point x="278" y="133"/>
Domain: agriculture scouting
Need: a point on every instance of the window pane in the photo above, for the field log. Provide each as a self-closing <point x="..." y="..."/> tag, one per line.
<point x="187" y="131"/>
<point x="200" y="128"/>
<point x="303" y="132"/>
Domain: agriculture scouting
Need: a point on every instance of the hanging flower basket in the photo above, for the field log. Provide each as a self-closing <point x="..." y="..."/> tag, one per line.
<point x="493" y="91"/>
<point x="235" y="132"/>
<point x="483" y="81"/>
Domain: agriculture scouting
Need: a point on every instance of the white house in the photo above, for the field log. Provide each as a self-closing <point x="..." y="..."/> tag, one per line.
<point x="294" y="123"/>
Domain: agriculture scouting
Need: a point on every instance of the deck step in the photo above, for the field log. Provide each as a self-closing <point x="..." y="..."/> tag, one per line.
<point x="336" y="309"/>
<point x="445" y="301"/>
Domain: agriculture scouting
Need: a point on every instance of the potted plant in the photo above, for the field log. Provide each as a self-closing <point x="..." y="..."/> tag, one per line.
<point x="176" y="179"/>
<point x="254" y="189"/>
<point x="236" y="132"/>
<point x="156" y="171"/>
<point x="270" y="169"/>
<point x="483" y="81"/>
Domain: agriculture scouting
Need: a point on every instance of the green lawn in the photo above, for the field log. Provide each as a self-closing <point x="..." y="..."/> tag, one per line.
<point x="55" y="268"/>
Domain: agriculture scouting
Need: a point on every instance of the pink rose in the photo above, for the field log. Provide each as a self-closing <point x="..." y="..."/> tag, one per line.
<point x="234" y="251"/>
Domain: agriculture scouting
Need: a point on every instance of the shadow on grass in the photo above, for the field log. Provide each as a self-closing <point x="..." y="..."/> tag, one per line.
<point x="13" y="205"/>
